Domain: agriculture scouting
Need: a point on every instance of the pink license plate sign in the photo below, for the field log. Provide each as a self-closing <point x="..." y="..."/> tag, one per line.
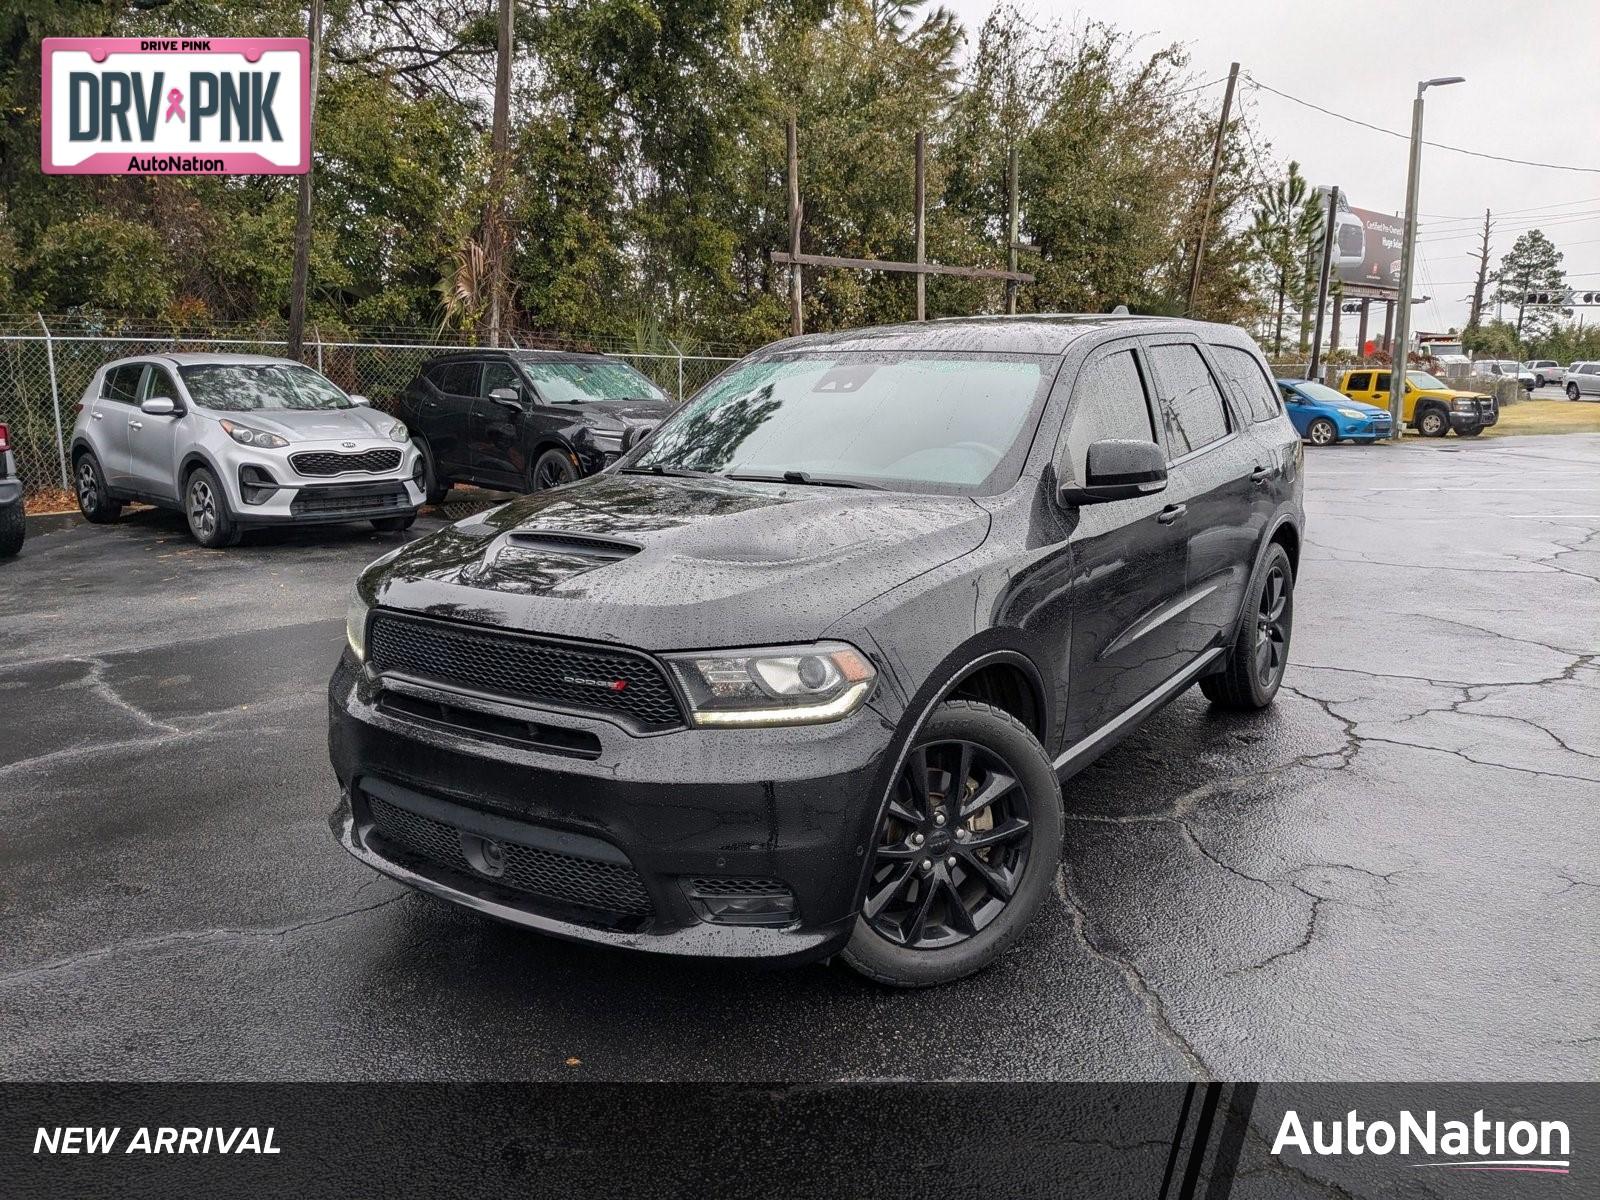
<point x="176" y="106"/>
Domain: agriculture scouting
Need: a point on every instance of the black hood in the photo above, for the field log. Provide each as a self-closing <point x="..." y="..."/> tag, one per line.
<point x="669" y="563"/>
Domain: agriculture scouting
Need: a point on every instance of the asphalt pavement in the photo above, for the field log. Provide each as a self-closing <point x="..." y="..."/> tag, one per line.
<point x="1392" y="874"/>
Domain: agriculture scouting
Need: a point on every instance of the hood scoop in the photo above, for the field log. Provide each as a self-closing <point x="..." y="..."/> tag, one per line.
<point x="537" y="541"/>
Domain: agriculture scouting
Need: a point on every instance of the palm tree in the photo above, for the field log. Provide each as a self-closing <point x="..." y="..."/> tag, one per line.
<point x="1287" y="221"/>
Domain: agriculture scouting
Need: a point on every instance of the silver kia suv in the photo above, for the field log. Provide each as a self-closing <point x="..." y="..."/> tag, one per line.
<point x="239" y="440"/>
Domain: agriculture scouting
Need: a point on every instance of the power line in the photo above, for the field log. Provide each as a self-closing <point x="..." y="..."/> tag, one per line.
<point x="1521" y="162"/>
<point x="1513" y="212"/>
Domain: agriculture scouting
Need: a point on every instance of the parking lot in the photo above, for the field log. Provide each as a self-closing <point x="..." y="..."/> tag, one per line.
<point x="1393" y="874"/>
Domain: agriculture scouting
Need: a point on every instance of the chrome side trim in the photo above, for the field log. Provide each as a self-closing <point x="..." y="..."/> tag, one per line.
<point x="1086" y="748"/>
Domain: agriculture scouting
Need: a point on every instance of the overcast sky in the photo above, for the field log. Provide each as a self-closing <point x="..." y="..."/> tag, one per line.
<point x="1532" y="92"/>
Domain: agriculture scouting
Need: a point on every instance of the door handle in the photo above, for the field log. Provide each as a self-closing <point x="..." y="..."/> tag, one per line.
<point x="135" y="424"/>
<point x="1260" y="474"/>
<point x="1171" y="513"/>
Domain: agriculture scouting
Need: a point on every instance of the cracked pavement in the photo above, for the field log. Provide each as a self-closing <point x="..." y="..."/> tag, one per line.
<point x="1392" y="874"/>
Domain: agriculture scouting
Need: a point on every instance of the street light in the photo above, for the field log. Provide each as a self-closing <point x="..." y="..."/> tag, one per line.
<point x="1397" y="366"/>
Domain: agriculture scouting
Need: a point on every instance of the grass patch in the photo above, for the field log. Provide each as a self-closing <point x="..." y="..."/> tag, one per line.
<point x="1547" y="416"/>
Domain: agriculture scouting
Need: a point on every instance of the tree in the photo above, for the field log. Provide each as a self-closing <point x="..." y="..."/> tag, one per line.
<point x="1532" y="265"/>
<point x="1475" y="315"/>
<point x="1286" y="225"/>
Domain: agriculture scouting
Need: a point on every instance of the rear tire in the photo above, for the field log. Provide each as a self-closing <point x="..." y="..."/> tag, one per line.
<point x="94" y="500"/>
<point x="1432" y="422"/>
<point x="1322" y="432"/>
<point x="12" y="529"/>
<point x="434" y="487"/>
<point x="1254" y="668"/>
<point x="205" y="507"/>
<point x="1006" y="852"/>
<point x="394" y="524"/>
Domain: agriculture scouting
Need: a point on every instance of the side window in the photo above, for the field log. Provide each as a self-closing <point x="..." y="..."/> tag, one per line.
<point x="456" y="378"/>
<point x="1257" y="392"/>
<point x="122" y="383"/>
<point x="158" y="382"/>
<point x="500" y="375"/>
<point x="1109" y="401"/>
<point x="1192" y="411"/>
<point x="1381" y="381"/>
<point x="1591" y="368"/>
<point x="1361" y="381"/>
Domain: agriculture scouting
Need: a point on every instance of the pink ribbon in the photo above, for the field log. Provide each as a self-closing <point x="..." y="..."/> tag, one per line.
<point x="175" y="105"/>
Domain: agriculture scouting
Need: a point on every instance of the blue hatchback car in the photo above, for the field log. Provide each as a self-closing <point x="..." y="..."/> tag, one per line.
<point x="1324" y="416"/>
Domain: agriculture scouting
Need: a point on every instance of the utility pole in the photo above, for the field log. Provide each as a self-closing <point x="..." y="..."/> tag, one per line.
<point x="922" y="224"/>
<point x="302" y="216"/>
<point x="1211" y="189"/>
<point x="1408" y="258"/>
<point x="494" y="223"/>
<point x="797" y="322"/>
<point x="1322" y="282"/>
<point x="1475" y="316"/>
<point x="1011" y="231"/>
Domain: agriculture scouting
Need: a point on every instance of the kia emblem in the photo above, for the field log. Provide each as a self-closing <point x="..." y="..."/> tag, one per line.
<point x="348" y="445"/>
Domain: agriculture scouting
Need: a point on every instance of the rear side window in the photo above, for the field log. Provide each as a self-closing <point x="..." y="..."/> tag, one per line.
<point x="1257" y="392"/>
<point x="455" y="378"/>
<point x="1110" y="401"/>
<point x="1192" y="411"/>
<point x="1360" y="381"/>
<point x="122" y="383"/>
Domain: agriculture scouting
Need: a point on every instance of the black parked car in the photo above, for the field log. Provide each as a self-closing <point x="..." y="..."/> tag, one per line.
<point x="801" y="675"/>
<point x="12" y="526"/>
<point x="525" y="420"/>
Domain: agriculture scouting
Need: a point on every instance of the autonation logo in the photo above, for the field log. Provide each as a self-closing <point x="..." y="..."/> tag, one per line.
<point x="1477" y="1145"/>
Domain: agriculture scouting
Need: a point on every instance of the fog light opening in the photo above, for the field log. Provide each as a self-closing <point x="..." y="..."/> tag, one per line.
<point x="741" y="901"/>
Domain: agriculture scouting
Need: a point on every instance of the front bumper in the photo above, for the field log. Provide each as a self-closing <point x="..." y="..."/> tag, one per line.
<point x="264" y="488"/>
<point x="1487" y="413"/>
<point x="662" y="813"/>
<point x="1365" y="430"/>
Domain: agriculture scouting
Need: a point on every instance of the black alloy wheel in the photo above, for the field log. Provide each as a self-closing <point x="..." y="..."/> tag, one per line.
<point x="1273" y="615"/>
<point x="553" y="469"/>
<point x="953" y="849"/>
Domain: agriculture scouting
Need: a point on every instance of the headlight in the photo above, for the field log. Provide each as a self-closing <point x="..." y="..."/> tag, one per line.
<point x="246" y="436"/>
<point x="398" y="432"/>
<point x="355" y="624"/>
<point x="1466" y="405"/>
<point x="786" y="685"/>
<point x="1355" y="414"/>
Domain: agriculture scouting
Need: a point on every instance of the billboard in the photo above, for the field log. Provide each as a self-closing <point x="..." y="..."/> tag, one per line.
<point x="1366" y="247"/>
<point x="170" y="106"/>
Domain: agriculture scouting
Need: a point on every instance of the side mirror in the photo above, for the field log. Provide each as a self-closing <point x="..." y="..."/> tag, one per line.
<point x="507" y="397"/>
<point x="159" y="406"/>
<point x="1119" y="470"/>
<point x="360" y="401"/>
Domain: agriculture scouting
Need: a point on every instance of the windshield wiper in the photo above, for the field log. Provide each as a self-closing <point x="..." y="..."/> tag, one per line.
<point x="809" y="480"/>
<point x="674" y="472"/>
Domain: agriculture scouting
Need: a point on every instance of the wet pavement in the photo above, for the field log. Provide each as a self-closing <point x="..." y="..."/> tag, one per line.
<point x="1392" y="874"/>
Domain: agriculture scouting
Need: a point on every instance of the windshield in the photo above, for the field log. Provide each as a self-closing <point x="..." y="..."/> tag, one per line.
<point x="948" y="421"/>
<point x="1421" y="379"/>
<point x="1321" y="393"/>
<point x="585" y="383"/>
<point x="247" y="387"/>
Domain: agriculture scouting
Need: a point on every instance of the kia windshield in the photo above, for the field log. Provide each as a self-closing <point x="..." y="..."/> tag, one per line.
<point x="935" y="422"/>
<point x="253" y="387"/>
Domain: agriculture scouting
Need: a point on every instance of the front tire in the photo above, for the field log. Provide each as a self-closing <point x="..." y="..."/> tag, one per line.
<point x="1322" y="432"/>
<point x="1260" y="653"/>
<point x="205" y="506"/>
<point x="434" y="487"/>
<point x="1470" y="431"/>
<point x="1432" y="422"/>
<point x="94" y="500"/>
<point x="1573" y="393"/>
<point x="394" y="524"/>
<point x="965" y="853"/>
<point x="552" y="469"/>
<point x="13" y="528"/>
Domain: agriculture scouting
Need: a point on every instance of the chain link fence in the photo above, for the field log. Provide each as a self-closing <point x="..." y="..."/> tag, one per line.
<point x="45" y="365"/>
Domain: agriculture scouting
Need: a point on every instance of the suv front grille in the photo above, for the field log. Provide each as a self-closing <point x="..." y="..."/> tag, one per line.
<point x="330" y="462"/>
<point x="521" y="667"/>
<point x="613" y="888"/>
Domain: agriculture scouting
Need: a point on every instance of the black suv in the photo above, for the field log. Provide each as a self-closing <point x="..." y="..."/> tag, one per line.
<point x="802" y="673"/>
<point x="12" y="526"/>
<point x="525" y="419"/>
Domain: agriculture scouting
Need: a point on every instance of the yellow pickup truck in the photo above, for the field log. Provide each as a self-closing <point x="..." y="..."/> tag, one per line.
<point x="1430" y="406"/>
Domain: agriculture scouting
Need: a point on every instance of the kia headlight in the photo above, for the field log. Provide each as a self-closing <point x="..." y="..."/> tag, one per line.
<point x="355" y="624"/>
<point x="245" y="435"/>
<point x="786" y="685"/>
<point x="398" y="432"/>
